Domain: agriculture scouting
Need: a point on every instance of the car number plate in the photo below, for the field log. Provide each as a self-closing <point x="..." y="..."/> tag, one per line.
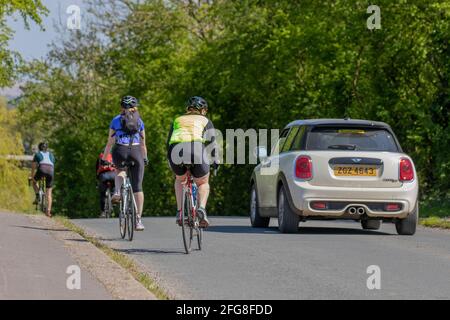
<point x="356" y="171"/>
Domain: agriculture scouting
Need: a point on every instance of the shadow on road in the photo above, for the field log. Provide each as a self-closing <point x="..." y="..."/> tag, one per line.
<point x="150" y="251"/>
<point x="241" y="229"/>
<point x="42" y="229"/>
<point x="112" y="239"/>
<point x="76" y="240"/>
<point x="339" y="231"/>
<point x="301" y="230"/>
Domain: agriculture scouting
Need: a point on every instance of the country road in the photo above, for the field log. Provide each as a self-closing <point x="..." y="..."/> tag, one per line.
<point x="325" y="260"/>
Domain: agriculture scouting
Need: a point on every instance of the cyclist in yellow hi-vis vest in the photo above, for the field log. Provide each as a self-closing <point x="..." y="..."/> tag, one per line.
<point x="186" y="145"/>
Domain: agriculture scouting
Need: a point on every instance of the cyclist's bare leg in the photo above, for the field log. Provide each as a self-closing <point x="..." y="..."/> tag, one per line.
<point x="35" y="186"/>
<point x="36" y="191"/>
<point x="139" y="198"/>
<point x="49" y="201"/>
<point x="118" y="181"/>
<point x="179" y="180"/>
<point x="203" y="190"/>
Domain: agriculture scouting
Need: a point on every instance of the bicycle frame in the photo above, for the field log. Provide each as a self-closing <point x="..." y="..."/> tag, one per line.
<point x="188" y="189"/>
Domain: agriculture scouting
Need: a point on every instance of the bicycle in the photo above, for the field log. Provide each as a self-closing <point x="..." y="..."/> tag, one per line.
<point x="108" y="202"/>
<point x="42" y="197"/>
<point x="189" y="220"/>
<point x="127" y="206"/>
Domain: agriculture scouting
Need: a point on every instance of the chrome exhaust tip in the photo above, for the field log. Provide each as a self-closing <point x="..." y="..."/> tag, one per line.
<point x="352" y="210"/>
<point x="361" y="210"/>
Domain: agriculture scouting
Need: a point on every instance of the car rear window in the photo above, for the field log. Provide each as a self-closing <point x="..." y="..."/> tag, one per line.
<point x="342" y="138"/>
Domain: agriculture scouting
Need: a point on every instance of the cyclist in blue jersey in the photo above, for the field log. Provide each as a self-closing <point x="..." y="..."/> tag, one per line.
<point x="126" y="147"/>
<point x="43" y="167"/>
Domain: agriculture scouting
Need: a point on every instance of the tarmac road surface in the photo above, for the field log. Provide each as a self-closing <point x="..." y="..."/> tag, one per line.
<point x="324" y="260"/>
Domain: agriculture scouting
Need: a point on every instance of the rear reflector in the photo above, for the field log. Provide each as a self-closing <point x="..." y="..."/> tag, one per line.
<point x="303" y="167"/>
<point x="406" y="170"/>
<point x="392" y="207"/>
<point x="319" y="205"/>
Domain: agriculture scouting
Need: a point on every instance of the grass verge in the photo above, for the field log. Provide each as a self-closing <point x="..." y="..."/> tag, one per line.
<point x="119" y="258"/>
<point x="435" y="222"/>
<point x="435" y="214"/>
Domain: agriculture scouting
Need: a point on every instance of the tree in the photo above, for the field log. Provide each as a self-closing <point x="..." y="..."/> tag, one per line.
<point x="27" y="9"/>
<point x="14" y="192"/>
<point x="260" y="64"/>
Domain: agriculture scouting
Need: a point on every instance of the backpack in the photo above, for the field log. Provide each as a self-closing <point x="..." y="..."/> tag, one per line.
<point x="130" y="122"/>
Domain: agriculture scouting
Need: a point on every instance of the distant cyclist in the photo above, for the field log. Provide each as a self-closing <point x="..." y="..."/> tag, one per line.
<point x="43" y="167"/>
<point x="127" y="142"/>
<point x="106" y="173"/>
<point x="186" y="145"/>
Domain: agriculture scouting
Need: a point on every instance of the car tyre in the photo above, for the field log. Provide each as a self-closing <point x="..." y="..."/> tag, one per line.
<point x="287" y="219"/>
<point x="408" y="225"/>
<point x="256" y="220"/>
<point x="371" y="224"/>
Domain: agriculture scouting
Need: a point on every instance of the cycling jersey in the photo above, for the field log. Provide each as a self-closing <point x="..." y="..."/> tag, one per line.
<point x="190" y="128"/>
<point x="44" y="158"/>
<point x="46" y="164"/>
<point x="123" y="138"/>
<point x="188" y="136"/>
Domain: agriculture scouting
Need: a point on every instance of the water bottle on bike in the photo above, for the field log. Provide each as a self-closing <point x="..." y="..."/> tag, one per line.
<point x="194" y="193"/>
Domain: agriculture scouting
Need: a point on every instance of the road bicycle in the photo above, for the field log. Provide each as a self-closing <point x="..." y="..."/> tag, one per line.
<point x="109" y="209"/>
<point x="189" y="220"/>
<point x="127" y="206"/>
<point x="42" y="197"/>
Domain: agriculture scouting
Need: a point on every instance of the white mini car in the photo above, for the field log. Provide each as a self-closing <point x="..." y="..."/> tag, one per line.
<point x="335" y="169"/>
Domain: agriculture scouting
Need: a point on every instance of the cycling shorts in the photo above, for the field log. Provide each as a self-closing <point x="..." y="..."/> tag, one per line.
<point x="125" y="153"/>
<point x="188" y="153"/>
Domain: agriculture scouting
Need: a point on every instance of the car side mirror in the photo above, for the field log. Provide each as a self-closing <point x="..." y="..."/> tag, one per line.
<point x="261" y="153"/>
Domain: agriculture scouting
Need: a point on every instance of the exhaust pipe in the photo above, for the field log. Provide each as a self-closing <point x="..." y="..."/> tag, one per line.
<point x="361" y="210"/>
<point x="352" y="210"/>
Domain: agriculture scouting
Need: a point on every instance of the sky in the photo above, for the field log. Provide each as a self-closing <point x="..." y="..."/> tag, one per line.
<point x="33" y="43"/>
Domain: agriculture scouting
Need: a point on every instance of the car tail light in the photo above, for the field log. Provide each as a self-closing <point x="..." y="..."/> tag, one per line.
<point x="303" y="168"/>
<point x="392" y="207"/>
<point x="406" y="170"/>
<point x="318" y="205"/>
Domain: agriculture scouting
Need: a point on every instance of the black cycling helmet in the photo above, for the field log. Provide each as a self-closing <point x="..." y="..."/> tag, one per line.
<point x="197" y="103"/>
<point x="43" y="146"/>
<point x="128" y="102"/>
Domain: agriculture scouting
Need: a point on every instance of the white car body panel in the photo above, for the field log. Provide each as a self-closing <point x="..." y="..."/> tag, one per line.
<point x="385" y="187"/>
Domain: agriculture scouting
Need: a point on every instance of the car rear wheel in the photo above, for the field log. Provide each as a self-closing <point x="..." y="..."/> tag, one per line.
<point x="287" y="219"/>
<point x="371" y="224"/>
<point x="407" y="226"/>
<point x="256" y="220"/>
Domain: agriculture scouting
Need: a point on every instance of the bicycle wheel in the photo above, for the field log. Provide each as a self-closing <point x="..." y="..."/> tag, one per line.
<point x="199" y="238"/>
<point x="122" y="216"/>
<point x="186" y="226"/>
<point x="43" y="201"/>
<point x="131" y="215"/>
<point x="108" y="204"/>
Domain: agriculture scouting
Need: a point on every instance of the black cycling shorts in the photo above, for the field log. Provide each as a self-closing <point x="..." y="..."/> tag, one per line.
<point x="45" y="172"/>
<point x="122" y="154"/>
<point x="188" y="153"/>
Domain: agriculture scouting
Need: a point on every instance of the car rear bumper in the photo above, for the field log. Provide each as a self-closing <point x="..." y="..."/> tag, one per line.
<point x="372" y="200"/>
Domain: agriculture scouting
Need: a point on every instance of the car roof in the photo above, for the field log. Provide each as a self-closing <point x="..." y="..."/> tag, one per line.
<point x="314" y="122"/>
